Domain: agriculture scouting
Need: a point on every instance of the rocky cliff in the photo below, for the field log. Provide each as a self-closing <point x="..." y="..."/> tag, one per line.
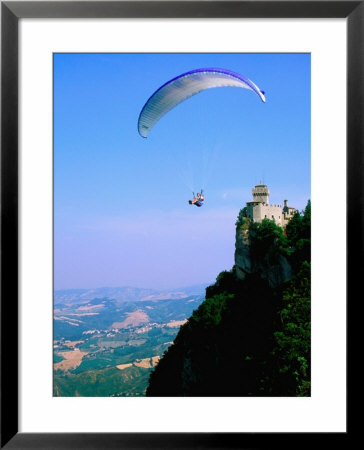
<point x="275" y="270"/>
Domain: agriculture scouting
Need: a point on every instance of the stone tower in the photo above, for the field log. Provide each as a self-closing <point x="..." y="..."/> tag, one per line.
<point x="260" y="209"/>
<point x="261" y="194"/>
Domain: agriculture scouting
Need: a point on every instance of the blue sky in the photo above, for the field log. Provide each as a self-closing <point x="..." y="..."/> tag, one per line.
<point x="121" y="213"/>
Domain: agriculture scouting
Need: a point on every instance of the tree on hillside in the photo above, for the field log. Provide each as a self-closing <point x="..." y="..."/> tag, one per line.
<point x="298" y="233"/>
<point x="292" y="350"/>
<point x="267" y="240"/>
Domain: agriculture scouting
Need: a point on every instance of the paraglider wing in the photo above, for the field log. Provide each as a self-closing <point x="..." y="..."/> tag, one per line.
<point x="185" y="86"/>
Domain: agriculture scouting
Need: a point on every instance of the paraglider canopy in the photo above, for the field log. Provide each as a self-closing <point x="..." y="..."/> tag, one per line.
<point x="185" y="86"/>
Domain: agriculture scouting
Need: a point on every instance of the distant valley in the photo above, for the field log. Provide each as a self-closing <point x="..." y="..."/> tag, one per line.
<point x="107" y="340"/>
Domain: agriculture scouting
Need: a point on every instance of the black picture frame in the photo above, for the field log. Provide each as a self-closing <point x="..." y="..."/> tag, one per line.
<point x="11" y="12"/>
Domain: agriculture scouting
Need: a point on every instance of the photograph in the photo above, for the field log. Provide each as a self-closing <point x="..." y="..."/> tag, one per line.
<point x="163" y="284"/>
<point x="181" y="225"/>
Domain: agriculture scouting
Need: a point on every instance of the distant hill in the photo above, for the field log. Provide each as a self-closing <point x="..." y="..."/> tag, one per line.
<point x="125" y="294"/>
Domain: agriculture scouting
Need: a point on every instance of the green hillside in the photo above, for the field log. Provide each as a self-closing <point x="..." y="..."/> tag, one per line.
<point x="102" y="383"/>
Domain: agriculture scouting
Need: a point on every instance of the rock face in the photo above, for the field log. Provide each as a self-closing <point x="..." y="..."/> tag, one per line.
<point x="275" y="270"/>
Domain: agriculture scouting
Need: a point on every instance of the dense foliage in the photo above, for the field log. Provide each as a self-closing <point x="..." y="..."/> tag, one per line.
<point x="292" y="340"/>
<point x="247" y="338"/>
<point x="299" y="236"/>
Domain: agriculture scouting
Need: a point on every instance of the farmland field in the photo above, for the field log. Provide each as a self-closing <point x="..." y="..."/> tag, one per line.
<point x="107" y="347"/>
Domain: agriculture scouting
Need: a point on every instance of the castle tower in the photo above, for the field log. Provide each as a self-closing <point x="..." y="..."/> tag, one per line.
<point x="261" y="194"/>
<point x="260" y="209"/>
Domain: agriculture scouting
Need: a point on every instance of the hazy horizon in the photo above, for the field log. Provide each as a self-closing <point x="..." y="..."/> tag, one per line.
<point x="170" y="288"/>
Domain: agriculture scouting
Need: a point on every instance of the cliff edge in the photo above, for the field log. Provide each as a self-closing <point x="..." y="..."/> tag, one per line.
<point x="252" y="334"/>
